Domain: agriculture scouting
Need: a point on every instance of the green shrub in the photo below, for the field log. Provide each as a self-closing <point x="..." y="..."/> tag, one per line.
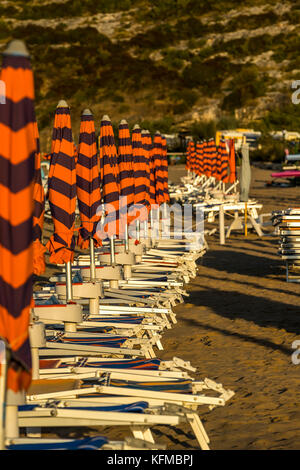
<point x="245" y="87"/>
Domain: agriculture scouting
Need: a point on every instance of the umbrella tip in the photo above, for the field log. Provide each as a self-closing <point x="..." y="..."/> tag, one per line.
<point x="136" y="126"/>
<point x="16" y="47"/>
<point x="105" y="118"/>
<point x="123" y="121"/>
<point x="157" y="132"/>
<point x="86" y="112"/>
<point x="62" y="104"/>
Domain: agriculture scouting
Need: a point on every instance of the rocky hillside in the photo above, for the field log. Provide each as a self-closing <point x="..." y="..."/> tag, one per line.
<point x="171" y="64"/>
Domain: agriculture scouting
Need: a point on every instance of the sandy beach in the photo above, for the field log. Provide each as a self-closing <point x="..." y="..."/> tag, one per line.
<point x="237" y="327"/>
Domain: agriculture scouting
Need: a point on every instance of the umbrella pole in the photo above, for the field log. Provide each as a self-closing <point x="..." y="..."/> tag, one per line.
<point x="112" y="250"/>
<point x="3" y="379"/>
<point x="146" y="229"/>
<point x="92" y="259"/>
<point x="138" y="230"/>
<point x="69" y="281"/>
<point x="126" y="239"/>
<point x="246" y="228"/>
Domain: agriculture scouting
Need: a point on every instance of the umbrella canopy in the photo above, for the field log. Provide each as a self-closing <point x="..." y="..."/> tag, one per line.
<point x="232" y="166"/>
<point x="152" y="200"/>
<point x="213" y="158"/>
<point x="193" y="157"/>
<point x="206" y="160"/>
<point x="165" y="168"/>
<point x="245" y="174"/>
<point x="17" y="153"/>
<point x="200" y="156"/>
<point x="110" y="177"/>
<point x="62" y="188"/>
<point x="141" y="172"/>
<point x="38" y="211"/>
<point x="159" y="180"/>
<point x="87" y="182"/>
<point x="125" y="160"/>
<point x="146" y="152"/>
<point x="223" y="158"/>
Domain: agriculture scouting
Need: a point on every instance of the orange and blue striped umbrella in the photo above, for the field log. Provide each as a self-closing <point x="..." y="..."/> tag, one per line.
<point x="193" y="157"/>
<point x="38" y="212"/>
<point x="146" y="152"/>
<point x="165" y="168"/>
<point x="141" y="172"/>
<point x="159" y="179"/>
<point x="110" y="177"/>
<point x="206" y="159"/>
<point x="223" y="161"/>
<point x="62" y="188"/>
<point x="17" y="154"/>
<point x="125" y="160"/>
<point x="152" y="200"/>
<point x="213" y="157"/>
<point x="88" y="182"/>
<point x="232" y="163"/>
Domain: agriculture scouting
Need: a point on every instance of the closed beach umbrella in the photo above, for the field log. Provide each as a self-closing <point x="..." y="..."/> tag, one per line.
<point x="223" y="158"/>
<point x="62" y="188"/>
<point x="213" y="158"/>
<point x="245" y="179"/>
<point x="146" y="157"/>
<point x="159" y="181"/>
<point x="110" y="177"/>
<point x="17" y="150"/>
<point x="165" y="169"/>
<point x="232" y="165"/>
<point x="151" y="168"/>
<point x="198" y="158"/>
<point x="193" y="157"/>
<point x="125" y="160"/>
<point x="141" y="178"/>
<point x="245" y="174"/>
<point x="88" y="182"/>
<point x="38" y="211"/>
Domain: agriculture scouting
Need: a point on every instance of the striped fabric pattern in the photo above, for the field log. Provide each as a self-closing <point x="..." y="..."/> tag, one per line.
<point x="232" y="163"/>
<point x="198" y="157"/>
<point x="17" y="154"/>
<point x="192" y="157"/>
<point x="165" y="169"/>
<point x="141" y="173"/>
<point x="223" y="161"/>
<point x="213" y="157"/>
<point x="206" y="159"/>
<point x="159" y="179"/>
<point x="38" y="211"/>
<point x="88" y="183"/>
<point x="125" y="160"/>
<point x="151" y="169"/>
<point x="201" y="162"/>
<point x="110" y="177"/>
<point x="62" y="189"/>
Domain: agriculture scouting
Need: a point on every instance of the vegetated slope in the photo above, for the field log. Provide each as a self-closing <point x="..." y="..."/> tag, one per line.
<point x="163" y="63"/>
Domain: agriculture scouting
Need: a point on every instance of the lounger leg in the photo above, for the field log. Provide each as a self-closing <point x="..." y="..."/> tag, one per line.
<point x="143" y="433"/>
<point x="199" y="430"/>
